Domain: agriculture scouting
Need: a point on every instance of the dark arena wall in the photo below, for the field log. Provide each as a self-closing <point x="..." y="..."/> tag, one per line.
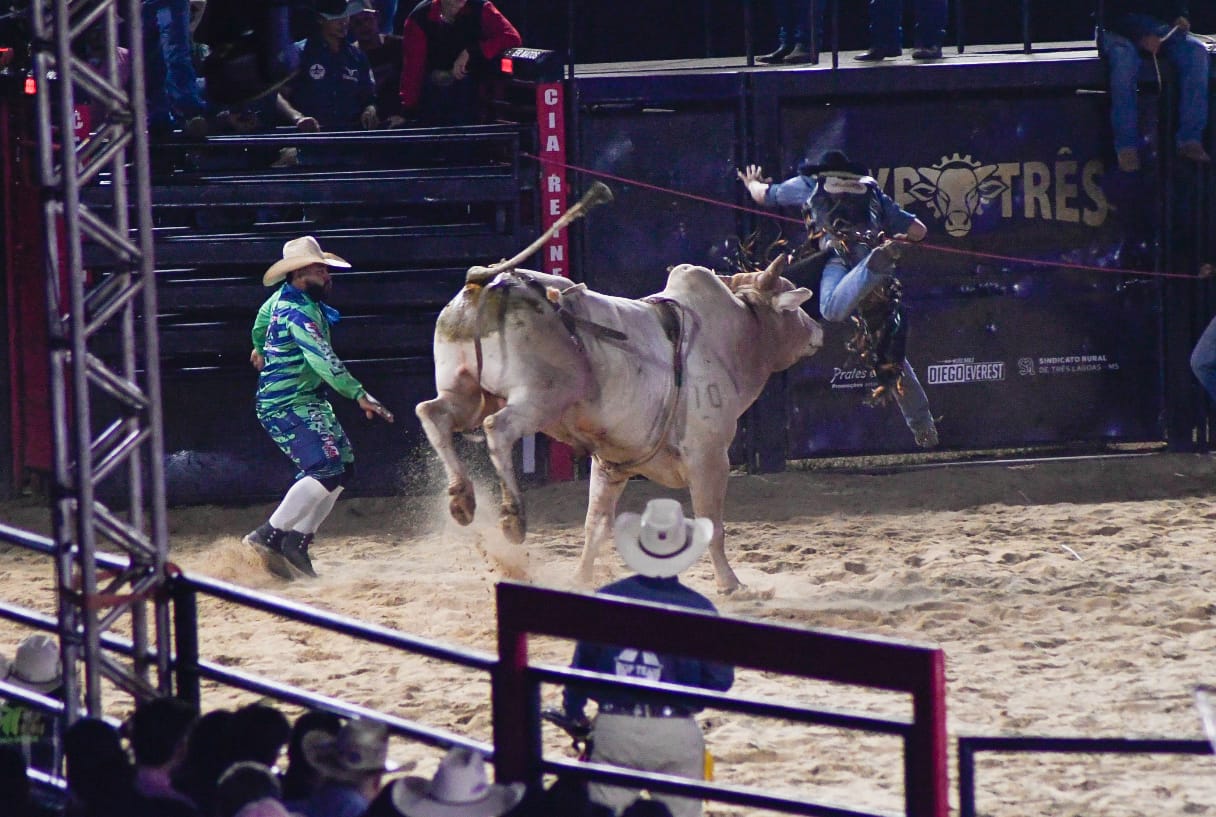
<point x="1039" y="310"/>
<point x="1031" y="322"/>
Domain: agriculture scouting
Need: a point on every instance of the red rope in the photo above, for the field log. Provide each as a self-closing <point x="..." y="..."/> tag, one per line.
<point x="932" y="247"/>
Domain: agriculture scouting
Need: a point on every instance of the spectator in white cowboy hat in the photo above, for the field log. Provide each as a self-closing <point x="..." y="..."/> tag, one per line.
<point x="36" y="667"/>
<point x="458" y="789"/>
<point x="292" y="352"/>
<point x="351" y="764"/>
<point x="659" y="544"/>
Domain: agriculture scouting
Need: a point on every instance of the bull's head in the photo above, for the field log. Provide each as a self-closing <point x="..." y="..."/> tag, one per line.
<point x="795" y="333"/>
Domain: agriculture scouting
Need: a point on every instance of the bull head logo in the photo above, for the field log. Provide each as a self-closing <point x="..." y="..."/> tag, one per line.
<point x="957" y="188"/>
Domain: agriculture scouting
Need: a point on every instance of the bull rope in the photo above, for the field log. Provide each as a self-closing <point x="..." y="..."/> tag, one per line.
<point x="677" y="382"/>
<point x="921" y="244"/>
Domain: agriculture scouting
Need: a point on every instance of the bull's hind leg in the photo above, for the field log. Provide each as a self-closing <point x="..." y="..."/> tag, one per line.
<point x="453" y="410"/>
<point x="503" y="429"/>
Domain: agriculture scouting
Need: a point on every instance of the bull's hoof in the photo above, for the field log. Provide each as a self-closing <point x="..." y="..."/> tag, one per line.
<point x="463" y="503"/>
<point x="513" y="527"/>
<point x="744" y="592"/>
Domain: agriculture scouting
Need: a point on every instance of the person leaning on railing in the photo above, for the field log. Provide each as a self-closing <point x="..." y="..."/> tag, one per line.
<point x="1156" y="28"/>
<point x="641" y="734"/>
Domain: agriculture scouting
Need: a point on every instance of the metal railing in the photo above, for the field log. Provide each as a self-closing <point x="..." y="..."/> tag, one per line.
<point x="189" y="669"/>
<point x="877" y="663"/>
<point x="830" y="24"/>
<point x="880" y="663"/>
<point x="968" y="747"/>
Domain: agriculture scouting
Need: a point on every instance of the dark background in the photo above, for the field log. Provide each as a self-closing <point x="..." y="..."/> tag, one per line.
<point x="609" y="32"/>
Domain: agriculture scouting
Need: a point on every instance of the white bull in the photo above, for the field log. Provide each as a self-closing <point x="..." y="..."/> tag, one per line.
<point x="652" y="387"/>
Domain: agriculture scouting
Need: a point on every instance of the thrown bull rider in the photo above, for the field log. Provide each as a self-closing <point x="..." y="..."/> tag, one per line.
<point x="855" y="234"/>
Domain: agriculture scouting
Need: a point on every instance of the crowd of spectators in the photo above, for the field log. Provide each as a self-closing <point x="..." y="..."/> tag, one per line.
<point x="166" y="760"/>
<point x="230" y="66"/>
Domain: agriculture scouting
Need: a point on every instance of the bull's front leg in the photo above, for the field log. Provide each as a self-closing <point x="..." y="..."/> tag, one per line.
<point x="603" y="494"/>
<point x="441" y="418"/>
<point x="708" y="472"/>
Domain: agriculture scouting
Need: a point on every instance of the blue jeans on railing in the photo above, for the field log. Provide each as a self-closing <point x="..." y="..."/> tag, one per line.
<point x="1203" y="359"/>
<point x="1191" y="62"/>
<point x="886" y="29"/>
<point x="171" y="83"/>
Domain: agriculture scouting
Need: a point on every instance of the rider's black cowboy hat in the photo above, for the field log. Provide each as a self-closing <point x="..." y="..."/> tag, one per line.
<point x="834" y="163"/>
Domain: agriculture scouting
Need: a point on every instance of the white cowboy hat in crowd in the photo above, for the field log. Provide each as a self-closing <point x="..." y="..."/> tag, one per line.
<point x="661" y="542"/>
<point x="458" y="789"/>
<point x="360" y="748"/>
<point x="297" y="254"/>
<point x="36" y="666"/>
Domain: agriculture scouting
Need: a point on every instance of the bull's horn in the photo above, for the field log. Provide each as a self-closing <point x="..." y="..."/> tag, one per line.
<point x="597" y="194"/>
<point x="769" y="277"/>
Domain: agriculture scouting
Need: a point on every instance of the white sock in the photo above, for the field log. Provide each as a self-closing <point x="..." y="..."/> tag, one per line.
<point x="299" y="502"/>
<point x="310" y="523"/>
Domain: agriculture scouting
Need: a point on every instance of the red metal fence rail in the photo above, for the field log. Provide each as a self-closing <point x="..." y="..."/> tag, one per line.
<point x="878" y="663"/>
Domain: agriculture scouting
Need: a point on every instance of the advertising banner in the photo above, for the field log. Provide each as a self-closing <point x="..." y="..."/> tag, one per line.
<point x="1029" y="322"/>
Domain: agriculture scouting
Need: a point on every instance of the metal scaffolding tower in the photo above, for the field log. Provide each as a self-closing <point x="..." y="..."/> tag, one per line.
<point x="105" y="377"/>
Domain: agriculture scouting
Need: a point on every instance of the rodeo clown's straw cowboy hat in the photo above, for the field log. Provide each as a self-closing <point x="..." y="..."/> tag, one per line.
<point x="297" y="254"/>
<point x="660" y="542"/>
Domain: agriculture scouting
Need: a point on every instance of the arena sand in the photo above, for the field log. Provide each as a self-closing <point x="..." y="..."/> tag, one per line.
<point x="1072" y="598"/>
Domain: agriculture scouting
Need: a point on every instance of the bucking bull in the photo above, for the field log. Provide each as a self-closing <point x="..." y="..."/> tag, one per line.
<point x="652" y="386"/>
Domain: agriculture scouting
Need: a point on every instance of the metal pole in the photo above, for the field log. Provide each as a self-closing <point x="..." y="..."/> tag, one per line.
<point x="958" y="24"/>
<point x="748" y="31"/>
<point x="80" y="309"/>
<point x="812" y="27"/>
<point x="185" y="644"/>
<point x="516" y="706"/>
<point x="835" y="33"/>
<point x="570" y="39"/>
<point x="966" y="779"/>
<point x="1026" y="46"/>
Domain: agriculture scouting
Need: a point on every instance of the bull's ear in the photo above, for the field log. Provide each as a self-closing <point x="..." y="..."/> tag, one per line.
<point x="792" y="299"/>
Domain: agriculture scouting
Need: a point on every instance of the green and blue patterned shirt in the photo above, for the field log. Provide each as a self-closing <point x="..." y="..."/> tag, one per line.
<point x="292" y="333"/>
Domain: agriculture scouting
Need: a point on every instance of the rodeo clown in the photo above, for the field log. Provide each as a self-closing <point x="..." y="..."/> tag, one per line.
<point x="292" y="352"/>
<point x="859" y="228"/>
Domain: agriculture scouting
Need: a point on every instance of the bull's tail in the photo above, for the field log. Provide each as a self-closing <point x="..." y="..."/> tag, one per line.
<point x="598" y="193"/>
